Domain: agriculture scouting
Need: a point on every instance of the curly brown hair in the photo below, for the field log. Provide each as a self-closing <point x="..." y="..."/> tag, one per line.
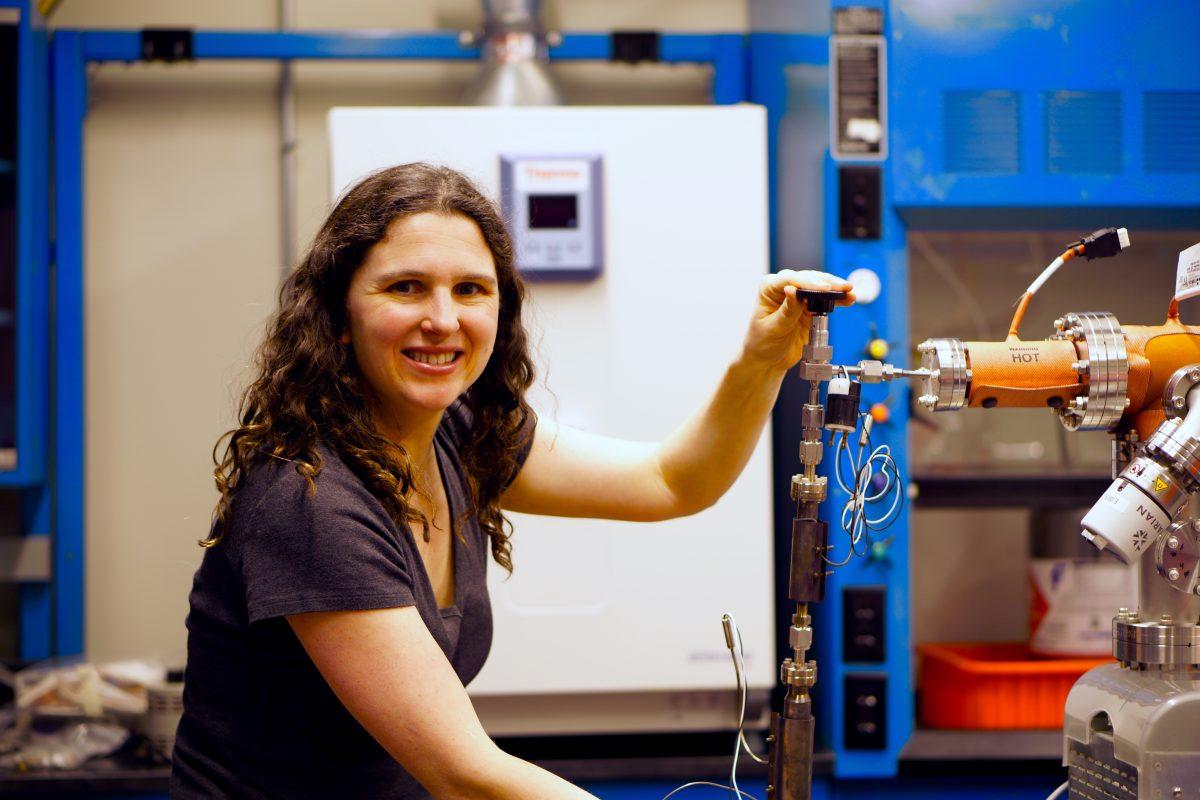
<point x="309" y="389"/>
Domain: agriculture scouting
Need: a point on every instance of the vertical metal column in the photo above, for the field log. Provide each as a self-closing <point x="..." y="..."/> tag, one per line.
<point x="32" y="349"/>
<point x="67" y="475"/>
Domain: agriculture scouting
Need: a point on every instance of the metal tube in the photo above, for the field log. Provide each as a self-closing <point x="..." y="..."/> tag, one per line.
<point x="287" y="150"/>
<point x="791" y="764"/>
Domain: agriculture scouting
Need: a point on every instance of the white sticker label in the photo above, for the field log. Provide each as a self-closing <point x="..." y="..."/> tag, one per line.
<point x="1187" y="276"/>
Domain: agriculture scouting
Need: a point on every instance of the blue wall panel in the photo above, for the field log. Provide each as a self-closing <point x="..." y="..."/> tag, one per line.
<point x="1099" y="87"/>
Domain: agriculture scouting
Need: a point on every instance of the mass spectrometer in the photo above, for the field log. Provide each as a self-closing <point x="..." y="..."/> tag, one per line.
<point x="1132" y="728"/>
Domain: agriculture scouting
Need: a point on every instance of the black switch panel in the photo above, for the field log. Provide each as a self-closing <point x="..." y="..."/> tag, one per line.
<point x="860" y="202"/>
<point x="863" y="623"/>
<point x="866" y="711"/>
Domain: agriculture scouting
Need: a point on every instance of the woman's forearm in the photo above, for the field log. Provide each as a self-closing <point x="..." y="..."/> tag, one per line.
<point x="507" y="777"/>
<point x="702" y="459"/>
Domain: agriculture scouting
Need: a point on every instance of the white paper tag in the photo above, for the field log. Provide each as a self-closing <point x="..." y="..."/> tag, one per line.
<point x="1187" y="276"/>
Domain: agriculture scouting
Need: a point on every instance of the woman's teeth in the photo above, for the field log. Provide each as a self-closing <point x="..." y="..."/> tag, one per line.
<point x="437" y="359"/>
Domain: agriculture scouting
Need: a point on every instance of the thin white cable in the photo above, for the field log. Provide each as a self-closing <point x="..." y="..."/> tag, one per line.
<point x="1057" y="793"/>
<point x="737" y="653"/>
<point x="693" y="784"/>
<point x="739" y="668"/>
<point x="1045" y="276"/>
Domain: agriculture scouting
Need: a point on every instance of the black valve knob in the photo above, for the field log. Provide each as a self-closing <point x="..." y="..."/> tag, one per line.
<point x="820" y="302"/>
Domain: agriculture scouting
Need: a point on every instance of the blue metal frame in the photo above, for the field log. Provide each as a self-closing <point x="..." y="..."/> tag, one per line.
<point x="726" y="52"/>
<point x="32" y="349"/>
<point x="33" y="254"/>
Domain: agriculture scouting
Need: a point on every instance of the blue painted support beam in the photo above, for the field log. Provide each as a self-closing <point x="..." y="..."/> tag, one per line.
<point x="391" y="45"/>
<point x="32" y="267"/>
<point x="32" y="351"/>
<point x="888" y="565"/>
<point x="365" y="45"/>
<point x="68" y="66"/>
<point x="731" y="71"/>
<point x="36" y="607"/>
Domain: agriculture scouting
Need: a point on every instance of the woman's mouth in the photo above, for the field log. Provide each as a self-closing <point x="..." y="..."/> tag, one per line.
<point x="433" y="362"/>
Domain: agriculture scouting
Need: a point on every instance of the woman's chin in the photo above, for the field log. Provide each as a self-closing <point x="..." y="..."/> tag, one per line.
<point x="430" y="402"/>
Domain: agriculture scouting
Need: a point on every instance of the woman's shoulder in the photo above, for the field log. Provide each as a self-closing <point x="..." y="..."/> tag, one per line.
<point x="290" y="485"/>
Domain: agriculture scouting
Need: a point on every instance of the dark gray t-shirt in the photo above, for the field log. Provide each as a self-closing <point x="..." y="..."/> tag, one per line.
<point x="259" y="721"/>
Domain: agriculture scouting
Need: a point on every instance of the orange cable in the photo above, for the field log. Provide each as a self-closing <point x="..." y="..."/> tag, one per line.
<point x="1023" y="304"/>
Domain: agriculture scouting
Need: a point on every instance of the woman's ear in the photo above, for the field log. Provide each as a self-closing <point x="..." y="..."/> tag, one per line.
<point x="345" y="337"/>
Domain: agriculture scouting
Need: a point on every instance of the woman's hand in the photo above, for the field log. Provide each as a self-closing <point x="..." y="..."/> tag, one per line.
<point x="779" y="328"/>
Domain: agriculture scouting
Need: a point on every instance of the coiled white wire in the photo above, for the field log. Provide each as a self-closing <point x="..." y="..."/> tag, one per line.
<point x="855" y="519"/>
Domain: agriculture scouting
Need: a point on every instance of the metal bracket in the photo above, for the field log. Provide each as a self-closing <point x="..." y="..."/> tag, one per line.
<point x="635" y="47"/>
<point x="167" y="44"/>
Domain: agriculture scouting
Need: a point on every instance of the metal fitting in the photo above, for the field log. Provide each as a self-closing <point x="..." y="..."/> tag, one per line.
<point x="814" y="370"/>
<point x="800" y="638"/>
<point x="817" y="352"/>
<point x="809" y="490"/>
<point x="870" y="371"/>
<point x="803" y="675"/>
<point x="811" y="452"/>
<point x="1176" y="452"/>
<point x="813" y="417"/>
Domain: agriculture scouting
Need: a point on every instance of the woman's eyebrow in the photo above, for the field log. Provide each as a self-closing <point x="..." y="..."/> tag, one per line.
<point x="411" y="274"/>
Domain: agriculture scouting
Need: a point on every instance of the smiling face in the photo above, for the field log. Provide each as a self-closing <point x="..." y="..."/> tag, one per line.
<point x="422" y="312"/>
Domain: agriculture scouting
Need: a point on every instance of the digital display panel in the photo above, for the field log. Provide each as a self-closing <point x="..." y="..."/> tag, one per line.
<point x="553" y="211"/>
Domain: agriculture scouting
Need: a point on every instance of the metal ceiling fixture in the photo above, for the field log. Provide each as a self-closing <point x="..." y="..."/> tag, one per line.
<point x="515" y="67"/>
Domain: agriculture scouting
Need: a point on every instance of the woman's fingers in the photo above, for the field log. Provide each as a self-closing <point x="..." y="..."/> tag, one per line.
<point x="807" y="279"/>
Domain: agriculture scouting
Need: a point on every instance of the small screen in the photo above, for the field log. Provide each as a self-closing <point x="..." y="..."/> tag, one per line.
<point x="553" y="211"/>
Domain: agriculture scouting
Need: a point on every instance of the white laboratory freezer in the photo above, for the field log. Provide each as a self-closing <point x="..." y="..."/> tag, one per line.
<point x="644" y="232"/>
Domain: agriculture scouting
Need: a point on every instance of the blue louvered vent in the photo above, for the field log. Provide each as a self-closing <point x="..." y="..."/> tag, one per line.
<point x="1083" y="132"/>
<point x="1171" y="124"/>
<point x="981" y="131"/>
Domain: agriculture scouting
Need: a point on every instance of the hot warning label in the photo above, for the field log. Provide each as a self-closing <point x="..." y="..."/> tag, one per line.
<point x="1187" y="275"/>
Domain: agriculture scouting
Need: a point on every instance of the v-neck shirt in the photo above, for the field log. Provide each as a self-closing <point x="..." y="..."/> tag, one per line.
<point x="259" y="719"/>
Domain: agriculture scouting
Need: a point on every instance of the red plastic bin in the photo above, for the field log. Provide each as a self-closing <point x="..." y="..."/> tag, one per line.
<point x="995" y="686"/>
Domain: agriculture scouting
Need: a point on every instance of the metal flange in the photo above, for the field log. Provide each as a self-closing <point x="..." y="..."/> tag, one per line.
<point x="803" y="676"/>
<point x="949" y="379"/>
<point x="1106" y="367"/>
<point x="1177" y="556"/>
<point x="1175" y="393"/>
<point x="1155" y="643"/>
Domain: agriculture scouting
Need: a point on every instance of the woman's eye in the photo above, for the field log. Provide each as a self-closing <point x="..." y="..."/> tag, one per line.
<point x="403" y="287"/>
<point x="469" y="288"/>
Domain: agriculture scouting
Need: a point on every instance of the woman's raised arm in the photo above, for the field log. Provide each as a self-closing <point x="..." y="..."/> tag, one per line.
<point x="570" y="473"/>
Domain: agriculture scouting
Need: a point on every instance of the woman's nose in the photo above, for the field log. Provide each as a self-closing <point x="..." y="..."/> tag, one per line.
<point x="441" y="315"/>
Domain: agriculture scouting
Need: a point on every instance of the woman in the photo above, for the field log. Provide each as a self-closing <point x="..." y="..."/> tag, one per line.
<point x="341" y="605"/>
